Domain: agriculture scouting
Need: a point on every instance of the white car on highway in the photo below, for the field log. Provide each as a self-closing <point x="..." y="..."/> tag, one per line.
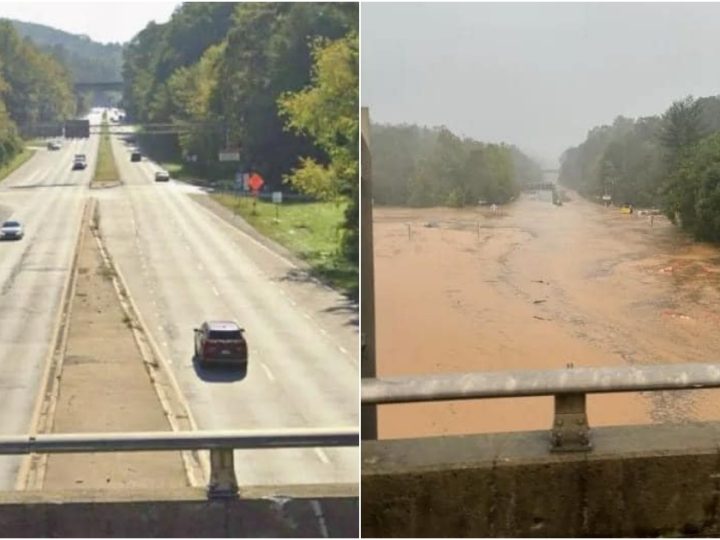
<point x="11" y="230"/>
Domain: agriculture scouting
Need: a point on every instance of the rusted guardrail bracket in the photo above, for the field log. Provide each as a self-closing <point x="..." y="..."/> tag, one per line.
<point x="571" y="431"/>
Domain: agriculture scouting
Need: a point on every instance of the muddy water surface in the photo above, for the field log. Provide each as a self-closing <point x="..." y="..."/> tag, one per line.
<point x="535" y="286"/>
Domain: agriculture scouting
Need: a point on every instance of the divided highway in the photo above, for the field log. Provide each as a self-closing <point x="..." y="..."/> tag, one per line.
<point x="47" y="197"/>
<point x="184" y="265"/>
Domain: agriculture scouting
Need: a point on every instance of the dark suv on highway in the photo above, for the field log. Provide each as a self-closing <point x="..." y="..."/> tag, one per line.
<point x="220" y="342"/>
<point x="79" y="162"/>
<point x="136" y="156"/>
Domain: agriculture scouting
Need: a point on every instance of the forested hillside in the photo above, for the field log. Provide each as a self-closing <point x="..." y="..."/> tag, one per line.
<point x="277" y="81"/>
<point x="34" y="87"/>
<point x="421" y="166"/>
<point x="670" y="161"/>
<point x="87" y="60"/>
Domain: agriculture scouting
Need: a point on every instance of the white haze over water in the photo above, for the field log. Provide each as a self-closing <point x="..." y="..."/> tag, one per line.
<point x="536" y="75"/>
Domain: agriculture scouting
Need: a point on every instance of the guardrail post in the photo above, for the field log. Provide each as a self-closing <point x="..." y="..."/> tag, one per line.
<point x="570" y="432"/>
<point x="223" y="483"/>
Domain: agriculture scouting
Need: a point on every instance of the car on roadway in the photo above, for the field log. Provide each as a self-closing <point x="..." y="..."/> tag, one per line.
<point x="54" y="145"/>
<point x="162" y="176"/>
<point x="220" y="342"/>
<point x="79" y="162"/>
<point x="11" y="230"/>
<point x="136" y="156"/>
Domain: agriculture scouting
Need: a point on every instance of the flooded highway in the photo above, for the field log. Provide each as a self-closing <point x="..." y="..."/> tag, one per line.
<point x="536" y="286"/>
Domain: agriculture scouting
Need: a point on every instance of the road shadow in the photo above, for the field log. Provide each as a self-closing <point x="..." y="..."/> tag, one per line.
<point x="35" y="186"/>
<point x="318" y="277"/>
<point x="350" y="309"/>
<point x="219" y="373"/>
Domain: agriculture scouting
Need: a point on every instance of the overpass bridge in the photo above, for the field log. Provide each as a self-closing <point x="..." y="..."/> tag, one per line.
<point x="99" y="86"/>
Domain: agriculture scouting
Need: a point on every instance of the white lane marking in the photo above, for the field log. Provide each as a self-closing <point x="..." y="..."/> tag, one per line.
<point x="217" y="293"/>
<point x="321" y="519"/>
<point x="342" y="349"/>
<point x="323" y="331"/>
<point x="322" y="455"/>
<point x="307" y="316"/>
<point x="267" y="372"/>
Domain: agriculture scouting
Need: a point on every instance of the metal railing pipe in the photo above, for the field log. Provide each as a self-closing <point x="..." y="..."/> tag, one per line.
<point x="585" y="380"/>
<point x="55" y="443"/>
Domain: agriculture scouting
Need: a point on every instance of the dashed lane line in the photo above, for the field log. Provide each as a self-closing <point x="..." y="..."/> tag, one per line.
<point x="267" y="372"/>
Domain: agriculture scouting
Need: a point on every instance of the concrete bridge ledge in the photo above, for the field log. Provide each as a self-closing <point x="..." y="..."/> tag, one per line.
<point x="637" y="481"/>
<point x="292" y="511"/>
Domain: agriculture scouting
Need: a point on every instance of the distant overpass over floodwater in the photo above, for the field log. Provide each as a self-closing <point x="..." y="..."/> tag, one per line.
<point x="99" y="86"/>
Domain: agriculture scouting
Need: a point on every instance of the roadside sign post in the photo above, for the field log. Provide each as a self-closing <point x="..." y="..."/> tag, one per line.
<point x="240" y="187"/>
<point x="277" y="200"/>
<point x="255" y="182"/>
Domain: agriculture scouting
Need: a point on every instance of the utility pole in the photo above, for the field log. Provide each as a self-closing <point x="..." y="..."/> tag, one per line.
<point x="368" y="425"/>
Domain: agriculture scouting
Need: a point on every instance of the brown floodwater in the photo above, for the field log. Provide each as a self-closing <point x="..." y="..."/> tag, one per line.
<point x="535" y="286"/>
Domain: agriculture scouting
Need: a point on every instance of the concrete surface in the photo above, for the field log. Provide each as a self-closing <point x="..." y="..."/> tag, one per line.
<point x="104" y="387"/>
<point x="47" y="197"/>
<point x="183" y="265"/>
<point x="181" y="513"/>
<point x="659" y="480"/>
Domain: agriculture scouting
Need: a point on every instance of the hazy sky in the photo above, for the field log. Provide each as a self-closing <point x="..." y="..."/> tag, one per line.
<point x="536" y="75"/>
<point x="102" y="21"/>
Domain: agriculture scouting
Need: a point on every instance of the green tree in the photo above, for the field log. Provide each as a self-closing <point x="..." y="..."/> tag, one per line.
<point x="327" y="111"/>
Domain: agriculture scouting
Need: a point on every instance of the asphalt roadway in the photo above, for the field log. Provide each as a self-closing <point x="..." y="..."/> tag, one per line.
<point x="47" y="197"/>
<point x="182" y="265"/>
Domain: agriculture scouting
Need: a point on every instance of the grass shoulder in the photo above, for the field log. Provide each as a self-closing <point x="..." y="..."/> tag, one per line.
<point x="16" y="162"/>
<point x="106" y="172"/>
<point x="310" y="230"/>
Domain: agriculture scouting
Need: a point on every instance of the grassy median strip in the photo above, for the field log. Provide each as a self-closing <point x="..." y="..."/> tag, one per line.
<point x="106" y="170"/>
<point x="16" y="162"/>
<point x="312" y="231"/>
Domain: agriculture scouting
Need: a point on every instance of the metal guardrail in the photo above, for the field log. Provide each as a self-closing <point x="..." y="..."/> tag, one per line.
<point x="570" y="386"/>
<point x="221" y="444"/>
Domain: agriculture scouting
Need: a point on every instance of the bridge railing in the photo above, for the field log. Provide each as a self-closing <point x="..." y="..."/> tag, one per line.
<point x="222" y="481"/>
<point x="570" y="430"/>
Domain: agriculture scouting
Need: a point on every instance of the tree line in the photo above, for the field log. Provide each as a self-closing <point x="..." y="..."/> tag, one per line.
<point x="420" y="166"/>
<point x="34" y="88"/>
<point x="669" y="161"/>
<point x="87" y="60"/>
<point x="275" y="81"/>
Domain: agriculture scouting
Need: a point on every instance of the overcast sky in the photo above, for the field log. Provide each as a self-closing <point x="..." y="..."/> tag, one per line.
<point x="101" y="21"/>
<point x="535" y="75"/>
